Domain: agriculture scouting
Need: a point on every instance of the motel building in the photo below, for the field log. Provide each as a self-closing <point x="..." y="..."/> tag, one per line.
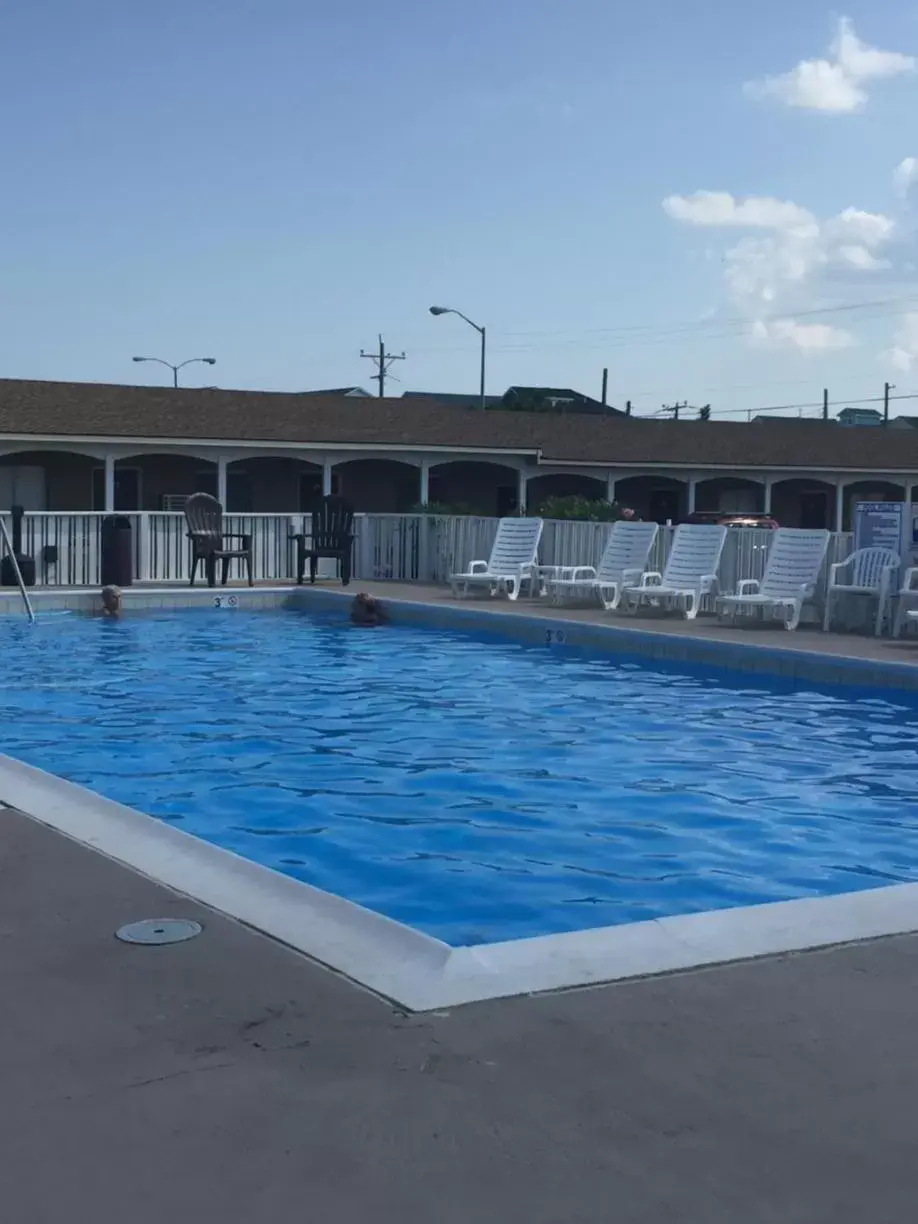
<point x="78" y="447"/>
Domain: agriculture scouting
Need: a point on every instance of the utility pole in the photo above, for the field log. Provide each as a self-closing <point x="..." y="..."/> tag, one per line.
<point x="887" y="387"/>
<point x="627" y="407"/>
<point x="675" y="409"/>
<point x="605" y="386"/>
<point x="382" y="361"/>
<point x="825" y="403"/>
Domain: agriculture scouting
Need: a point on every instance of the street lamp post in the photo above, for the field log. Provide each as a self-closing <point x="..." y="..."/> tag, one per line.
<point x="442" y="310"/>
<point x="181" y="365"/>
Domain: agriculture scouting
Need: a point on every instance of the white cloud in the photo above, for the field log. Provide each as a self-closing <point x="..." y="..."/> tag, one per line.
<point x="854" y="225"/>
<point x="807" y="337"/>
<point x="721" y="208"/>
<point x="859" y="257"/>
<point x="834" y="85"/>
<point x="795" y="246"/>
<point x="904" y="353"/>
<point x="905" y="176"/>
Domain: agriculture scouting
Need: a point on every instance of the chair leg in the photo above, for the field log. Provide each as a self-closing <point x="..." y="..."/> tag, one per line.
<point x="345" y="569"/>
<point x="300" y="561"/>
<point x="313" y="566"/>
<point x="248" y="567"/>
<point x="194" y="568"/>
<point x="210" y="569"/>
<point x="224" y="570"/>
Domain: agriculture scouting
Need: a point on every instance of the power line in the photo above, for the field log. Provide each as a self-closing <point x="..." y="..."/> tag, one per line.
<point x="383" y="362"/>
<point x="668" y="409"/>
<point x="645" y="333"/>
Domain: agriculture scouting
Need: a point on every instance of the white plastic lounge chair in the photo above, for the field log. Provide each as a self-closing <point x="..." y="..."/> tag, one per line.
<point x="868" y="571"/>
<point x="689" y="573"/>
<point x="792" y="570"/>
<point x="623" y="562"/>
<point x="907" y="598"/>
<point x="512" y="560"/>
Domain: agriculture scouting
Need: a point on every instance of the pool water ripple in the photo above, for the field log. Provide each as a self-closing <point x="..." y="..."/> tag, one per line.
<point x="478" y="790"/>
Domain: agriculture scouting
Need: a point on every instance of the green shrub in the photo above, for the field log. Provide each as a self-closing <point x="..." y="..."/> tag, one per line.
<point x="583" y="508"/>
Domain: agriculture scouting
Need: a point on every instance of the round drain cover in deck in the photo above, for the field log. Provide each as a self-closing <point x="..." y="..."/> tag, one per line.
<point x="159" y="931"/>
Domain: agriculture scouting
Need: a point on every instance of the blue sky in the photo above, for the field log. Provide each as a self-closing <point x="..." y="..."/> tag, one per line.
<point x="274" y="183"/>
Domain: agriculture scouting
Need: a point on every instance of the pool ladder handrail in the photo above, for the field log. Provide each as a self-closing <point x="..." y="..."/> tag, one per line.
<point x="4" y="531"/>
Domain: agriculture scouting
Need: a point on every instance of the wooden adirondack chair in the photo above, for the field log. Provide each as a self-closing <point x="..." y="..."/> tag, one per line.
<point x="332" y="535"/>
<point x="204" y="516"/>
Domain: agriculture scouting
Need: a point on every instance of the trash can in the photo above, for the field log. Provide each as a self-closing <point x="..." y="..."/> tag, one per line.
<point x="117" y="560"/>
<point x="26" y="564"/>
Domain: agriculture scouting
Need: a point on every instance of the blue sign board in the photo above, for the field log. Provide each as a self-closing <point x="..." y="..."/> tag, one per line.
<point x="892" y="525"/>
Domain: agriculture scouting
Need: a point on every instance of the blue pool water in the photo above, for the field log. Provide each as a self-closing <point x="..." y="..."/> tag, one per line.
<point x="477" y="790"/>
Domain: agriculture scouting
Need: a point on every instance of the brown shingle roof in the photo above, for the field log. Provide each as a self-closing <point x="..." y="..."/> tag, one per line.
<point x="105" y="410"/>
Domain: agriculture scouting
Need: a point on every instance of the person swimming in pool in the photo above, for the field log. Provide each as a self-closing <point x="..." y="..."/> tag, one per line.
<point x="111" y="601"/>
<point x="367" y="611"/>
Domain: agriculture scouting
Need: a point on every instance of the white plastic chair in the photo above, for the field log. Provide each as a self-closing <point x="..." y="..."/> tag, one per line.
<point x="623" y="561"/>
<point x="868" y="571"/>
<point x="689" y="574"/>
<point x="512" y="560"/>
<point x="907" y="597"/>
<point x="792" y="571"/>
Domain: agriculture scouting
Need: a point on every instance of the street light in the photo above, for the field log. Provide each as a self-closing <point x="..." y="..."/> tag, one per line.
<point x="442" y="310"/>
<point x="175" y="368"/>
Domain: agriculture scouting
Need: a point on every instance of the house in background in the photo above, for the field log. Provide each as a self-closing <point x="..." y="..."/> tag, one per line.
<point x="88" y="446"/>
<point x="860" y="416"/>
<point x="524" y="399"/>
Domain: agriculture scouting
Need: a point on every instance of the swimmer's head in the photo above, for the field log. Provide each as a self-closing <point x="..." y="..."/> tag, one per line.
<point x="111" y="599"/>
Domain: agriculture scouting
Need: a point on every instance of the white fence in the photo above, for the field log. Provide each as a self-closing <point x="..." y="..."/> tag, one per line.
<point x="389" y="547"/>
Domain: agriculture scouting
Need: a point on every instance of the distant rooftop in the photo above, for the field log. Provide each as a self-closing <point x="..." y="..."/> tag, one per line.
<point x="524" y="399"/>
<point x="453" y="399"/>
<point x="353" y="392"/>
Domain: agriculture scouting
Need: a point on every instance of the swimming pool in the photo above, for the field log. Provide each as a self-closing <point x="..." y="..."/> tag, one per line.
<point x="476" y="790"/>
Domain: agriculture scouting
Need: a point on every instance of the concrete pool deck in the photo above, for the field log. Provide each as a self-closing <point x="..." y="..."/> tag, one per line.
<point x="230" y="1079"/>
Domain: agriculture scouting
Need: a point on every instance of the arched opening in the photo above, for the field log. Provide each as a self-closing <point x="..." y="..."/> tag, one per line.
<point x="730" y="494"/>
<point x="475" y="487"/>
<point x="46" y="480"/>
<point x="656" y="499"/>
<point x="272" y="484"/>
<point x="868" y="491"/>
<point x="154" y="481"/>
<point x="562" y="484"/>
<point x="379" y="486"/>
<point x="804" y="503"/>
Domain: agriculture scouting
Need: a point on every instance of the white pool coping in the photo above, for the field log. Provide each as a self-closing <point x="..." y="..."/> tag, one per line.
<point x="414" y="970"/>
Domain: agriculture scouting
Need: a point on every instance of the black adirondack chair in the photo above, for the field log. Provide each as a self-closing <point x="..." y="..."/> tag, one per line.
<point x="204" y="516"/>
<point x="332" y="535"/>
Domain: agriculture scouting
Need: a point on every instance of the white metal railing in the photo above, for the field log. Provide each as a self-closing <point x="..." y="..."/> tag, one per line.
<point x="388" y="547"/>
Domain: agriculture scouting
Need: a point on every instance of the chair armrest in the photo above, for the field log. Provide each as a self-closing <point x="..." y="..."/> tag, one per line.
<point x="581" y="572"/>
<point x="708" y="584"/>
<point x="236" y="535"/>
<point x="478" y="567"/>
<point x="747" y="586"/>
<point x="908" y="579"/>
<point x="651" y="579"/>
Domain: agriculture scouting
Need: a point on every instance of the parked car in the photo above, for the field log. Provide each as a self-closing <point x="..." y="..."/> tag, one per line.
<point x="733" y="518"/>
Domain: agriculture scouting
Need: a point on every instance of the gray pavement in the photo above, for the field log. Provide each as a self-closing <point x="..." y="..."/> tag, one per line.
<point x="228" y="1079"/>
